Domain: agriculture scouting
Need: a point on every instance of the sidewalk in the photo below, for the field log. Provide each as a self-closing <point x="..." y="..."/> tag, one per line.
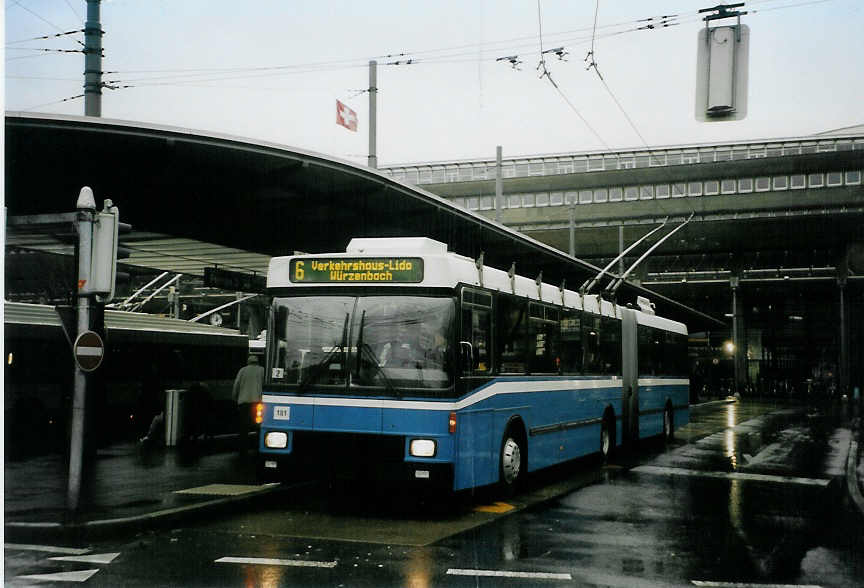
<point x="126" y="488"/>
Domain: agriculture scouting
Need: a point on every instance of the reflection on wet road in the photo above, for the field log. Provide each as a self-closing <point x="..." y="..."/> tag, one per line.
<point x="746" y="495"/>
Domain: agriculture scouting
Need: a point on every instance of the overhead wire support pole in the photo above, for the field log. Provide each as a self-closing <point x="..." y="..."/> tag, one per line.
<point x="589" y="284"/>
<point x="499" y="187"/>
<point x="93" y="60"/>
<point x="373" y="114"/>
<point x="615" y="284"/>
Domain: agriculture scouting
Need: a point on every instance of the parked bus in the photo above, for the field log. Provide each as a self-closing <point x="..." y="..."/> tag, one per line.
<point x="402" y="361"/>
<point x="144" y="356"/>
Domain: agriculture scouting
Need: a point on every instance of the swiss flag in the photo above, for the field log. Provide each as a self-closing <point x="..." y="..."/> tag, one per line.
<point x="346" y="117"/>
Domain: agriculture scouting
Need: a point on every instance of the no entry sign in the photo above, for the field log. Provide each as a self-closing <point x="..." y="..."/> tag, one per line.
<point x="89" y="351"/>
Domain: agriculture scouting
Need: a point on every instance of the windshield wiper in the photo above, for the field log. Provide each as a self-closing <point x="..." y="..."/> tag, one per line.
<point x="365" y="348"/>
<point x="316" y="370"/>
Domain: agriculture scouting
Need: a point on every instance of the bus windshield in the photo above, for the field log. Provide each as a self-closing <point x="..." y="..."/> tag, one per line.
<point x="366" y="345"/>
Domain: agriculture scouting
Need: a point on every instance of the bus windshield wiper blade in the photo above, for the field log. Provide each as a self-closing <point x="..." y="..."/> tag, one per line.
<point x="365" y="348"/>
<point x="316" y="370"/>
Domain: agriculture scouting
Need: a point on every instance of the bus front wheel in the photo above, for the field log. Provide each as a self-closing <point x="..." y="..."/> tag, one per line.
<point x="512" y="461"/>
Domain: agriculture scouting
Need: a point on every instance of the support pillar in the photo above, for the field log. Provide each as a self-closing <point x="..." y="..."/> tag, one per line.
<point x="739" y="340"/>
<point x="499" y="186"/>
<point x="843" y="363"/>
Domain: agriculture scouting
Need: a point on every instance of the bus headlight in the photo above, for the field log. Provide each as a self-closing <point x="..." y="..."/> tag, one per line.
<point x="276" y="440"/>
<point x="422" y="448"/>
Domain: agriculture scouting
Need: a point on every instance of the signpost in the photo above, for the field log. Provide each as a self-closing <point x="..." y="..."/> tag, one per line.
<point x="89" y="351"/>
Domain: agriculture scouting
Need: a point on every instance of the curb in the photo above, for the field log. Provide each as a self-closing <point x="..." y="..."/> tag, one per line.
<point x="106" y="526"/>
<point x="852" y="477"/>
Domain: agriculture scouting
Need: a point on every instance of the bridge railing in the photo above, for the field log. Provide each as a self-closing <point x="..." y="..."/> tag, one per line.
<point x="546" y="165"/>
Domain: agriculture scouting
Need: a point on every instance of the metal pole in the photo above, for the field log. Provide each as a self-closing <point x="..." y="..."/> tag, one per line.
<point x="86" y="207"/>
<point x="373" y="114"/>
<point x="572" y="231"/>
<point x="499" y="187"/>
<point x="620" y="249"/>
<point x="844" y="340"/>
<point x="93" y="60"/>
<point x="740" y="346"/>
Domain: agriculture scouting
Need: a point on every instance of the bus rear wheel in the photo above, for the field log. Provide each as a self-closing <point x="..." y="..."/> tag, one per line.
<point x="668" y="424"/>
<point x="607" y="438"/>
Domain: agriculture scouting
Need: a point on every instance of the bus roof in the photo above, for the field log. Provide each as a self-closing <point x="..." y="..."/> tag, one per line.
<point x="423" y="262"/>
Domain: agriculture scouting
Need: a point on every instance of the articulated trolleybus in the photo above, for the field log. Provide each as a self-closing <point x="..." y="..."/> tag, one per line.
<point x="404" y="362"/>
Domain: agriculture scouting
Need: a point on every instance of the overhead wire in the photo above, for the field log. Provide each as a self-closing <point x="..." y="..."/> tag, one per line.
<point x="210" y="77"/>
<point x="63" y="34"/>
<point x="43" y="19"/>
<point x="548" y="76"/>
<point x="52" y="103"/>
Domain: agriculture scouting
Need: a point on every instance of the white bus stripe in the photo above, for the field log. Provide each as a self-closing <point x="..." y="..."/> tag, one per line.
<point x="268" y="561"/>
<point x="499" y="574"/>
<point x="494" y="388"/>
<point x="666" y="471"/>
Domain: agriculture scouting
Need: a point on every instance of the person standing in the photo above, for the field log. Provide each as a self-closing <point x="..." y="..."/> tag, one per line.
<point x="247" y="394"/>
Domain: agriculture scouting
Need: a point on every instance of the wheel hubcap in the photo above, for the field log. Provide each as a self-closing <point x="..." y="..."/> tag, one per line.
<point x="604" y="441"/>
<point x="511" y="460"/>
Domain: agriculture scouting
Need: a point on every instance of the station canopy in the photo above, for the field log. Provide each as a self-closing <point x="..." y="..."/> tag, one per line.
<point x="198" y="199"/>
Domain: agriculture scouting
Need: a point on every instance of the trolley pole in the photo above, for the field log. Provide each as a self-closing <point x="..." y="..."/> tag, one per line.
<point x="373" y="114"/>
<point x="93" y="60"/>
<point x="86" y="207"/>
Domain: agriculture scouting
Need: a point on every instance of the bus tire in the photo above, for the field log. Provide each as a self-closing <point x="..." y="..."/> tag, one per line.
<point x="511" y="463"/>
<point x="607" y="437"/>
<point x="668" y="423"/>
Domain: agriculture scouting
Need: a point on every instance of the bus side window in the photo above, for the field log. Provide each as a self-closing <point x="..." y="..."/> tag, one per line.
<point x="512" y="334"/>
<point x="475" y="331"/>
<point x="571" y="342"/>
<point x="610" y="345"/>
<point x="543" y="339"/>
<point x="591" y="360"/>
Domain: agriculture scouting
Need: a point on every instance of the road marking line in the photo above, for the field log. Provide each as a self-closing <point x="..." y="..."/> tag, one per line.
<point x="647" y="469"/>
<point x="498" y="574"/>
<point x="81" y="576"/>
<point x="749" y="585"/>
<point x="224" y="489"/>
<point x="96" y="558"/>
<point x="46" y="548"/>
<point x="267" y="561"/>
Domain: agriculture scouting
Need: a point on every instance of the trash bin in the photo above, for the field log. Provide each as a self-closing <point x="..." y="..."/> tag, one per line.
<point x="174" y="405"/>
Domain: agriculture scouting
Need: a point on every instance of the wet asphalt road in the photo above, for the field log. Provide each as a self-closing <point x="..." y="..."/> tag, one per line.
<point x="746" y="495"/>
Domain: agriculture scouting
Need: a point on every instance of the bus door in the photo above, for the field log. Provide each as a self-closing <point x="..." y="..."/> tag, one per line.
<point x="630" y="377"/>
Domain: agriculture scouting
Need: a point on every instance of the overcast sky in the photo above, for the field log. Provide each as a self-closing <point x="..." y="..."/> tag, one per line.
<point x="272" y="70"/>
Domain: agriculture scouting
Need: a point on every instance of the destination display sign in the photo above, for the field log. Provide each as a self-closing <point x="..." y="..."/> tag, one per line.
<point x="357" y="270"/>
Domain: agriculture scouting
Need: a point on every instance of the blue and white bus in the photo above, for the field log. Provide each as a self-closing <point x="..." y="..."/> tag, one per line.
<point x="400" y="360"/>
